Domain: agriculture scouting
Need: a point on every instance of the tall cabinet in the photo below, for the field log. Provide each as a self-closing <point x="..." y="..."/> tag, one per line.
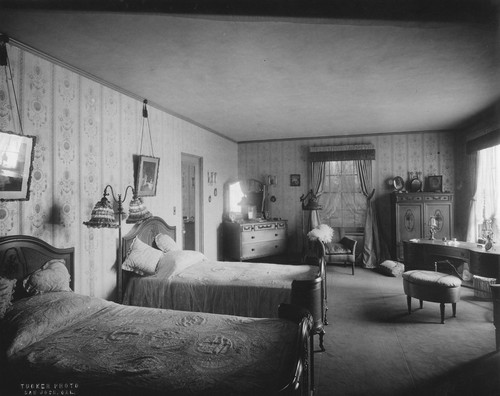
<point x="410" y="217"/>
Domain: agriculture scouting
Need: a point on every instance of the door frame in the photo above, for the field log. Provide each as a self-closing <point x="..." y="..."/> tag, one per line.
<point x="198" y="210"/>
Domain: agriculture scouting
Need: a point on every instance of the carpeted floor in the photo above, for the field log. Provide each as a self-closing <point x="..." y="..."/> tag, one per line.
<point x="373" y="347"/>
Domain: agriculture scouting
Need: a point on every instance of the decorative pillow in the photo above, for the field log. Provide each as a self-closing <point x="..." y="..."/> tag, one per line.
<point x="53" y="276"/>
<point x="323" y="232"/>
<point x="7" y="287"/>
<point x="337" y="248"/>
<point x="391" y="268"/>
<point x="142" y="258"/>
<point x="166" y="243"/>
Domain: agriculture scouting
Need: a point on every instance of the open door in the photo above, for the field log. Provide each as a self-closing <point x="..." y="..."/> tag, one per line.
<point x="192" y="228"/>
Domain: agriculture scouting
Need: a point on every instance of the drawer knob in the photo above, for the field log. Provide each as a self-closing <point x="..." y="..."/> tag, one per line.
<point x="253" y="236"/>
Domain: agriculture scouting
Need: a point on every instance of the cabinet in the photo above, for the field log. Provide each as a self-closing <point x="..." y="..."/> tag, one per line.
<point x="410" y="213"/>
<point x="254" y="239"/>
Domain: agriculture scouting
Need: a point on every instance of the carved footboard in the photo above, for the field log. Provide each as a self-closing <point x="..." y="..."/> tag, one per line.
<point x="303" y="369"/>
<point x="309" y="295"/>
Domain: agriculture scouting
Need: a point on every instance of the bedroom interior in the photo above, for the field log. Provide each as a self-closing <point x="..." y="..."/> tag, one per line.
<point x="378" y="109"/>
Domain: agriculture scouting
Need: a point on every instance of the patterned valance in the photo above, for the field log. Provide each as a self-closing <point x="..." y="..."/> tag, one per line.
<point x="346" y="152"/>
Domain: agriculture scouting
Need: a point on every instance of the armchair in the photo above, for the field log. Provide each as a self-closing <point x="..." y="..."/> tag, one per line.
<point x="341" y="250"/>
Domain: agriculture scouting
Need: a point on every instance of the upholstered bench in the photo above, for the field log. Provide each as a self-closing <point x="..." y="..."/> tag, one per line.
<point x="432" y="286"/>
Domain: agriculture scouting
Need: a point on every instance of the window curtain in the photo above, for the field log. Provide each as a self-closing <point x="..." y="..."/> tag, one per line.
<point x="372" y="240"/>
<point x="473" y="220"/>
<point x="316" y="181"/>
<point x="362" y="154"/>
<point x="487" y="196"/>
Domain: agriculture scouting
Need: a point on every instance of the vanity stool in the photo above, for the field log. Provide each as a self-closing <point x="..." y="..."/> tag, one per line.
<point x="433" y="286"/>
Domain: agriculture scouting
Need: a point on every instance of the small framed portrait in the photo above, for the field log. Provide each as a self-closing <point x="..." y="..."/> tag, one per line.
<point x="295" y="180"/>
<point x="435" y="183"/>
<point x="146" y="177"/>
<point x="16" y="165"/>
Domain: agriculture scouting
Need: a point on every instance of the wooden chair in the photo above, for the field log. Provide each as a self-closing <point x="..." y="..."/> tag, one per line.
<point x="341" y="250"/>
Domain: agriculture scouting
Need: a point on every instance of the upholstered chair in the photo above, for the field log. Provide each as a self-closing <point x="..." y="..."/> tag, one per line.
<point x="341" y="250"/>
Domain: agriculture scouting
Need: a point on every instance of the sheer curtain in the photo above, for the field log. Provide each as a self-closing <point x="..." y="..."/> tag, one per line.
<point x="487" y="194"/>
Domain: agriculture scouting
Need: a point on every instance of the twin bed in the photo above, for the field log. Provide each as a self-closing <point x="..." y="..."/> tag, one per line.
<point x="61" y="342"/>
<point x="187" y="280"/>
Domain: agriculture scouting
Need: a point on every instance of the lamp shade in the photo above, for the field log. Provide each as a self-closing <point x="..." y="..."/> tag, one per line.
<point x="102" y="215"/>
<point x="137" y="211"/>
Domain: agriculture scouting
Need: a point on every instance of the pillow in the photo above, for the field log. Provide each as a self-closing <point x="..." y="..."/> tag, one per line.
<point x="142" y="258"/>
<point x="323" y="232"/>
<point x="7" y="287"/>
<point x="166" y="243"/>
<point x="53" y="276"/>
<point x="337" y="248"/>
<point x="391" y="268"/>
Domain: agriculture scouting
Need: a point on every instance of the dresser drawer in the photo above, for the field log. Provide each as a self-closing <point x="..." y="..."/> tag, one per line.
<point x="261" y="249"/>
<point x="263" y="235"/>
<point x="451" y="252"/>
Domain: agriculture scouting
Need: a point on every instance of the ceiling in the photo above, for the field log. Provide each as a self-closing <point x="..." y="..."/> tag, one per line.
<point x="283" y="71"/>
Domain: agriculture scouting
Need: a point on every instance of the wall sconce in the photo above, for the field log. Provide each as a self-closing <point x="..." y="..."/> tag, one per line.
<point x="432" y="227"/>
<point x="272" y="180"/>
<point x="212" y="178"/>
<point x="103" y="216"/>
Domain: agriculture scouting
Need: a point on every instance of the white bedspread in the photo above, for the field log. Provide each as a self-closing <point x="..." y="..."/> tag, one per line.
<point x="187" y="280"/>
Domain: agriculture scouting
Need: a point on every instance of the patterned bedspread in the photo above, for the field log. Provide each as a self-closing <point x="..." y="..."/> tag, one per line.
<point x="187" y="280"/>
<point x="106" y="348"/>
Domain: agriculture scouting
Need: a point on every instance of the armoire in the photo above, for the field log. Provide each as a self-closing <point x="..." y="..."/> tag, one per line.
<point x="410" y="215"/>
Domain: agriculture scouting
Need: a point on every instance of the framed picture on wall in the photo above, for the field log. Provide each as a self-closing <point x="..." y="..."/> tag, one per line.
<point x="16" y="165"/>
<point x="146" y="177"/>
<point x="295" y="180"/>
<point x="435" y="183"/>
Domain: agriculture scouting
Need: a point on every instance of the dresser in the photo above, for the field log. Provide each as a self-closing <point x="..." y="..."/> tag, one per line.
<point x="253" y="239"/>
<point x="410" y="213"/>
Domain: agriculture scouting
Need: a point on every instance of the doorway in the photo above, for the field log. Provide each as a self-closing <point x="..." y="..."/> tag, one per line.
<point x="192" y="212"/>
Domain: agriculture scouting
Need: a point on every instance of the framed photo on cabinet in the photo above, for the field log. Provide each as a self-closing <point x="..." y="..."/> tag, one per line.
<point x="16" y="165"/>
<point x="146" y="177"/>
<point x="435" y="183"/>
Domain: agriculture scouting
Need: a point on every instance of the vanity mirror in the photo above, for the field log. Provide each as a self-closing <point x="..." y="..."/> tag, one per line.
<point x="244" y="199"/>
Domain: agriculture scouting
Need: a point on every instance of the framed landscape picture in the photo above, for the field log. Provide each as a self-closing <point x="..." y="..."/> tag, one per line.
<point x="16" y="165"/>
<point x="146" y="177"/>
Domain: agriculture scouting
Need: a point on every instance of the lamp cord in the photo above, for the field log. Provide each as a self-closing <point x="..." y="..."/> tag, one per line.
<point x="145" y="117"/>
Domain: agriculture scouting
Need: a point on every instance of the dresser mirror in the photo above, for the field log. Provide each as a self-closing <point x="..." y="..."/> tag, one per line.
<point x="244" y="199"/>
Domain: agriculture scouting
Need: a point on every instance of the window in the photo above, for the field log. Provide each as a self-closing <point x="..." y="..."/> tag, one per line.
<point x="344" y="204"/>
<point x="487" y="192"/>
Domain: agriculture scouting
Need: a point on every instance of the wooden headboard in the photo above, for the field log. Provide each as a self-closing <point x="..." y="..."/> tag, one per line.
<point x="146" y="231"/>
<point x="20" y="255"/>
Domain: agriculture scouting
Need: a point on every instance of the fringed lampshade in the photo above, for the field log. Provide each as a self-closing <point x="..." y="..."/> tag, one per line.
<point x="102" y="216"/>
<point x="137" y="211"/>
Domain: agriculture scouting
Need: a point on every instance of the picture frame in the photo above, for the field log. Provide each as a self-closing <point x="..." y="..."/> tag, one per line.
<point x="295" y="180"/>
<point x="146" y="175"/>
<point x="16" y="165"/>
<point x="435" y="183"/>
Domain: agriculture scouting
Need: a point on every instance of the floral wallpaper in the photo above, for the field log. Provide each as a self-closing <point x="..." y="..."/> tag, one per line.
<point x="86" y="136"/>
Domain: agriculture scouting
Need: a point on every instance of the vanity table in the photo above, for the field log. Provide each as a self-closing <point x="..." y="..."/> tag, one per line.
<point x="422" y="253"/>
<point x="250" y="239"/>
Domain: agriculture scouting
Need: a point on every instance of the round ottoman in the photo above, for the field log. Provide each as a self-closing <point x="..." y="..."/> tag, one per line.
<point x="432" y="286"/>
